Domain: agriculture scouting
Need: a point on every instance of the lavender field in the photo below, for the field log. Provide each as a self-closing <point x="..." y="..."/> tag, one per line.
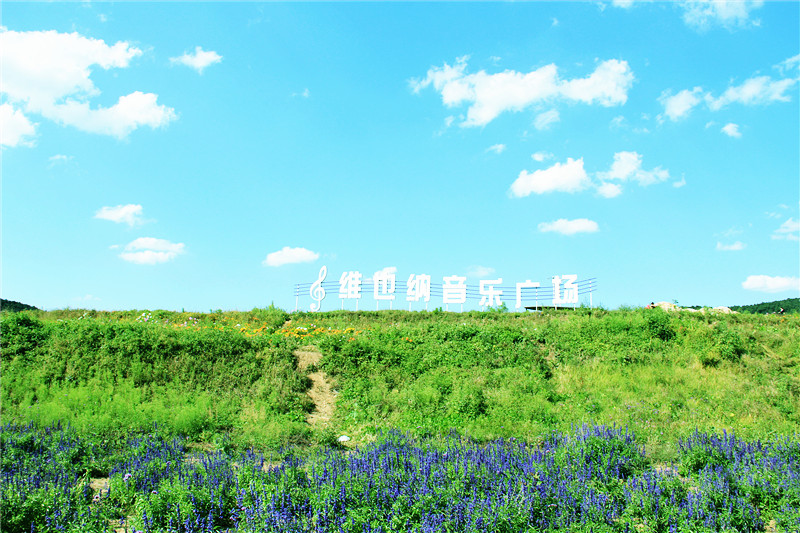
<point x="595" y="479"/>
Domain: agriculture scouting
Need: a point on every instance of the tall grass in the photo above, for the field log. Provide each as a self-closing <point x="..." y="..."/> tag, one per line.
<point x="487" y="375"/>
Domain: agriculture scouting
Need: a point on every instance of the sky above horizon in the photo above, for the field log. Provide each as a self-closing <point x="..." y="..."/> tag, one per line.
<point x="206" y="156"/>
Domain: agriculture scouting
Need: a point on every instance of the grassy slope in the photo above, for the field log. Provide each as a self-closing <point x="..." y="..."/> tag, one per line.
<point x="483" y="374"/>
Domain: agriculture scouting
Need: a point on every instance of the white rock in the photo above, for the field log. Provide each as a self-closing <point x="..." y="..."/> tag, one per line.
<point x="343" y="438"/>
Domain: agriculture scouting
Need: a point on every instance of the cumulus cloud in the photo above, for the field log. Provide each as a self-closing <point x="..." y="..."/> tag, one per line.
<point x="130" y="214"/>
<point x="763" y="283"/>
<point x="569" y="227"/>
<point x="572" y="177"/>
<point x="761" y="90"/>
<point x="129" y="113"/>
<point x="489" y="95"/>
<point x="287" y="255"/>
<point x="618" y="122"/>
<point x="703" y="14"/>
<point x="199" y="60"/>
<point x="735" y="247"/>
<point x="627" y="166"/>
<point x="151" y="251"/>
<point x="732" y="130"/>
<point x="758" y="90"/>
<point x="567" y="177"/>
<point x="679" y="106"/>
<point x="15" y="128"/>
<point x="59" y="159"/>
<point x="497" y="148"/>
<point x="609" y="190"/>
<point x="789" y="230"/>
<point x="546" y="119"/>
<point x="789" y="64"/>
<point x="49" y="73"/>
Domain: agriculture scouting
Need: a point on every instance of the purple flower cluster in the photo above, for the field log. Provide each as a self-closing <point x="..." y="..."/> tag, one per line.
<point x="745" y="475"/>
<point x="44" y="480"/>
<point x="595" y="479"/>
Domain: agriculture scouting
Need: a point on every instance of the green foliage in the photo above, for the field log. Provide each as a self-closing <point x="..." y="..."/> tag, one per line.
<point x="112" y="375"/>
<point x="11" y="306"/>
<point x="790" y="305"/>
<point x="658" y="324"/>
<point x="489" y="374"/>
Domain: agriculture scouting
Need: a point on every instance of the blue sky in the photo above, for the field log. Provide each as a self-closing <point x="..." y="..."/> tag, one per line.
<point x="209" y="155"/>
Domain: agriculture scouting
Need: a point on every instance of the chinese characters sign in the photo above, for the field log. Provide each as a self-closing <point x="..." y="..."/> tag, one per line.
<point x="384" y="286"/>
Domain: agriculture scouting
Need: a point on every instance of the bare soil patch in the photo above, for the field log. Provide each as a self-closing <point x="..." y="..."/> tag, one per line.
<point x="321" y="392"/>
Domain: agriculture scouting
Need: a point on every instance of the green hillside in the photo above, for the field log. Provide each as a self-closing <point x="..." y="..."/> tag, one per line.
<point x="486" y="375"/>
<point x="14" y="307"/>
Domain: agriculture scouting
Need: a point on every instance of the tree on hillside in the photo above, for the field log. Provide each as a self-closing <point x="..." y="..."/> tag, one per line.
<point x="790" y="305"/>
<point x="15" y="307"/>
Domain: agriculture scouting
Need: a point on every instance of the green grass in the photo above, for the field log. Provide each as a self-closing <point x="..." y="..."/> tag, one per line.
<point x="486" y="375"/>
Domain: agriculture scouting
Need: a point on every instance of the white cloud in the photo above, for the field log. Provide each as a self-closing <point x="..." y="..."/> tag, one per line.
<point x="15" y="128"/>
<point x="788" y="64"/>
<point x="541" y="156"/>
<point x="618" y="122"/>
<point x="735" y="247"/>
<point x="569" y="227"/>
<point x="129" y="113"/>
<point x="789" y="230"/>
<point x="130" y="214"/>
<point x="679" y="184"/>
<point x="732" y="232"/>
<point x="287" y="255"/>
<point x="198" y="61"/>
<point x="544" y="120"/>
<point x="761" y="90"/>
<point x="608" y="85"/>
<point x="567" y="177"/>
<point x="489" y="95"/>
<point x="763" y="283"/>
<point x="680" y="105"/>
<point x="702" y="14"/>
<point x="731" y="130"/>
<point x="151" y="251"/>
<point x="48" y="73"/>
<point x="478" y="271"/>
<point x="609" y="190"/>
<point x="497" y="148"/>
<point x="627" y="166"/>
<point x="59" y="159"/>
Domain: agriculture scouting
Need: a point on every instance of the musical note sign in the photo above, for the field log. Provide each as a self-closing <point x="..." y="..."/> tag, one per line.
<point x="564" y="289"/>
<point x="317" y="291"/>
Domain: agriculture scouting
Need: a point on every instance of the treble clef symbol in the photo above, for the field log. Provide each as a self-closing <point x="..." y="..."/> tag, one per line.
<point x="317" y="291"/>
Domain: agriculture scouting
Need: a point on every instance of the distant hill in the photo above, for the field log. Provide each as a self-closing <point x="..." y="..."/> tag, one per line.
<point x="790" y="305"/>
<point x="14" y="307"/>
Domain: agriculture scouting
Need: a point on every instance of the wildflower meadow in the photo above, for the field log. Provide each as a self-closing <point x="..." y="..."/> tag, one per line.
<point x="580" y="420"/>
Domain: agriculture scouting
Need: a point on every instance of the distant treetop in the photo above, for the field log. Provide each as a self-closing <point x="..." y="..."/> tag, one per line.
<point x="15" y="307"/>
<point x="790" y="305"/>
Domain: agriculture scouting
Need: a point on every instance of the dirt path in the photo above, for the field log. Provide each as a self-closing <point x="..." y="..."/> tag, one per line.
<point x="321" y="392"/>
